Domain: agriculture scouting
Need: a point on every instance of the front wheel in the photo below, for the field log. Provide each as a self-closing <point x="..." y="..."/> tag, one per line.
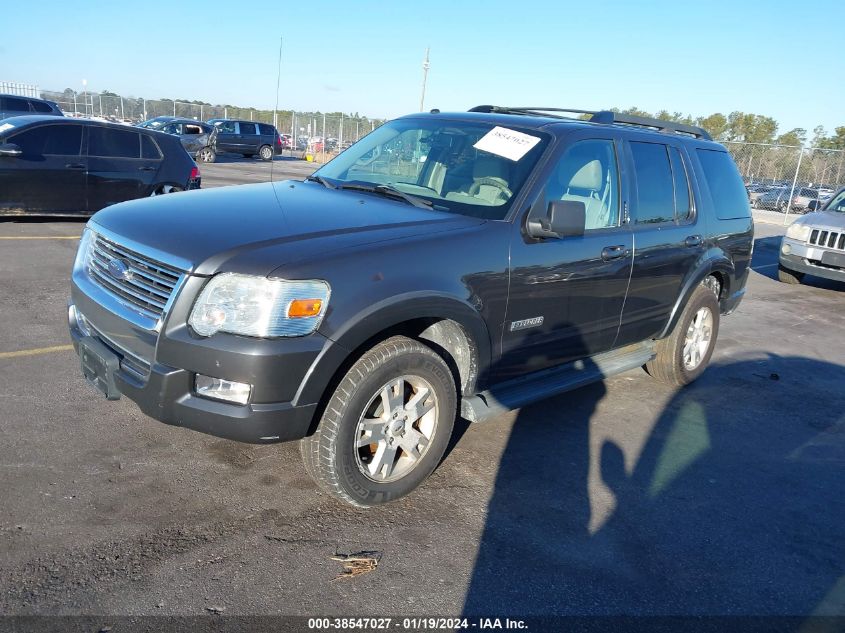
<point x="788" y="276"/>
<point x="387" y="425"/>
<point x="266" y="152"/>
<point x="683" y="355"/>
<point x="207" y="155"/>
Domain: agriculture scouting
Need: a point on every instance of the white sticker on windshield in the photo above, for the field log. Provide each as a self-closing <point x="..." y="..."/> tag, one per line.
<point x="6" y="126"/>
<point x="508" y="143"/>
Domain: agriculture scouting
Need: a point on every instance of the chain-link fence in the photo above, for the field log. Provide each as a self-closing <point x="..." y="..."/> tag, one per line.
<point x="314" y="132"/>
<point x="788" y="178"/>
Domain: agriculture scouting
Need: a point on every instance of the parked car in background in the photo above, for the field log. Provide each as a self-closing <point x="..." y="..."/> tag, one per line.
<point x="247" y="138"/>
<point x="815" y="244"/>
<point x="51" y="165"/>
<point x="774" y="199"/>
<point x="197" y="138"/>
<point x="287" y="141"/>
<point x="756" y="191"/>
<point x="805" y="199"/>
<point x="13" y="105"/>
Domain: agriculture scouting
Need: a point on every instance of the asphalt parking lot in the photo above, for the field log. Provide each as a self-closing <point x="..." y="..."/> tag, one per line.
<point x="626" y="497"/>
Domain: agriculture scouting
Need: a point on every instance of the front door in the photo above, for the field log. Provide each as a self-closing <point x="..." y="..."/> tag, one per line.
<point x="566" y="295"/>
<point x="49" y="175"/>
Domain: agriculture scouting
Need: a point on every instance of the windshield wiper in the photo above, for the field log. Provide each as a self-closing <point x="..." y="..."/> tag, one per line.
<point x="389" y="190"/>
<point x="322" y="181"/>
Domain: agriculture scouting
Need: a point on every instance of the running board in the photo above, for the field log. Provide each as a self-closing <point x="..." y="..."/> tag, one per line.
<point x="519" y="392"/>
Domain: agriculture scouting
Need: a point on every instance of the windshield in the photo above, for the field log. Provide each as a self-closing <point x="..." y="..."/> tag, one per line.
<point x="460" y="167"/>
<point x="837" y="203"/>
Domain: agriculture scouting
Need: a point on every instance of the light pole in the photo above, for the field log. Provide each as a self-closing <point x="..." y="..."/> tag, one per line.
<point x="426" y="66"/>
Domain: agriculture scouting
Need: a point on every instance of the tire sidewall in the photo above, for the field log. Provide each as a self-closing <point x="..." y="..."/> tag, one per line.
<point x="703" y="298"/>
<point x="361" y="489"/>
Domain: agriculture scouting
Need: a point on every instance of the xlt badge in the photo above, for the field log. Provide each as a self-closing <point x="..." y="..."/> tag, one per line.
<point x="524" y="324"/>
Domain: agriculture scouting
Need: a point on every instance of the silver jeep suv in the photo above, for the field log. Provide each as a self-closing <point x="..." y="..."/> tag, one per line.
<point x="815" y="244"/>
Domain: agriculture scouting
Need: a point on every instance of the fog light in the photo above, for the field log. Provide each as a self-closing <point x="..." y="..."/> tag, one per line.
<point x="786" y="249"/>
<point x="219" y="389"/>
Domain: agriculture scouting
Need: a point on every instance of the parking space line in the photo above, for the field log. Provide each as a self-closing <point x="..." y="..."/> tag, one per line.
<point x="35" y="352"/>
<point x="40" y="237"/>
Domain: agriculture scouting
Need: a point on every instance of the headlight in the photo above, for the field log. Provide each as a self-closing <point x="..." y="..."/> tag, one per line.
<point x="84" y="250"/>
<point x="798" y="232"/>
<point x="258" y="306"/>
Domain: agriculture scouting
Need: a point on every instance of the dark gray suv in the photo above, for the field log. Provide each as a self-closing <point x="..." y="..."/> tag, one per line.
<point x="13" y="105"/>
<point x="248" y="138"/>
<point x="447" y="264"/>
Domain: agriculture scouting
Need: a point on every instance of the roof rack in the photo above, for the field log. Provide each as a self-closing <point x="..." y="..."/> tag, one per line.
<point x="606" y="117"/>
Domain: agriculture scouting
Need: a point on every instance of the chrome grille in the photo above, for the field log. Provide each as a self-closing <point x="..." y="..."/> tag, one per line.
<point x="828" y="239"/>
<point x="147" y="284"/>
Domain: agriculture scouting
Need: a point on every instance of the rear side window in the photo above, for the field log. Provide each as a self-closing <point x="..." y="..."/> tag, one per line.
<point x="149" y="148"/>
<point x="265" y="129"/>
<point x="62" y="140"/>
<point x="13" y="104"/>
<point x="655" y="186"/>
<point x="113" y="143"/>
<point x="247" y="128"/>
<point x="725" y="184"/>
<point x="40" y="106"/>
<point x="683" y="204"/>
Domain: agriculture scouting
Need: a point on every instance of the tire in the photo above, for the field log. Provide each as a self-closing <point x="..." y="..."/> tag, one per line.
<point x="789" y="276"/>
<point x="162" y="190"/>
<point x="671" y="364"/>
<point x="207" y="155"/>
<point x="265" y="152"/>
<point x="373" y="473"/>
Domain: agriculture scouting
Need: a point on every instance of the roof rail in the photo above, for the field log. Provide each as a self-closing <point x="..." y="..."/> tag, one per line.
<point x="606" y="117"/>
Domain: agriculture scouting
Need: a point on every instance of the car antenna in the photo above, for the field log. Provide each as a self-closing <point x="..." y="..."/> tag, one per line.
<point x="276" y="106"/>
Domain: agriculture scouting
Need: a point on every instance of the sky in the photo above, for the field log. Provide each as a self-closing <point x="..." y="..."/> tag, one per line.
<point x="779" y="58"/>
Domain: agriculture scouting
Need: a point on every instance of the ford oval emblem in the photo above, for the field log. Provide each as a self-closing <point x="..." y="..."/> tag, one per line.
<point x="119" y="269"/>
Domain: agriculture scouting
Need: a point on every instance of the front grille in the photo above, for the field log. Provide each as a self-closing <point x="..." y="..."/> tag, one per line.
<point x="828" y="239"/>
<point x="146" y="284"/>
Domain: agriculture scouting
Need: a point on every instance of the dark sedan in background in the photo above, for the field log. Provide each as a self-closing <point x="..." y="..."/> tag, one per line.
<point x="69" y="166"/>
<point x="13" y="105"/>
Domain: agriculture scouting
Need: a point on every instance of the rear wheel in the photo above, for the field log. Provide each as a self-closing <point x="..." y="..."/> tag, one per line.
<point x="265" y="152"/>
<point x="683" y="355"/>
<point x="163" y="189"/>
<point x="788" y="276"/>
<point x="386" y="426"/>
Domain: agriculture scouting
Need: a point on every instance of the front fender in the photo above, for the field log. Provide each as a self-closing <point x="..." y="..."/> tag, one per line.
<point x="381" y="317"/>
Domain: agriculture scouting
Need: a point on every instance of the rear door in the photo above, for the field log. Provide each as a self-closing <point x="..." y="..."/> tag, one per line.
<point x="49" y="176"/>
<point x="117" y="171"/>
<point x="669" y="237"/>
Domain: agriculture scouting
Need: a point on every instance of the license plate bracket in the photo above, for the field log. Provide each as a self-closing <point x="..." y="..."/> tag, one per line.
<point x="99" y="365"/>
<point x="829" y="258"/>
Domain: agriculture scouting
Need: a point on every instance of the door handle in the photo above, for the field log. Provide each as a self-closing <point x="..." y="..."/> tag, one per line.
<point x="74" y="166"/>
<point x="613" y="252"/>
<point x="693" y="240"/>
<point x="146" y="169"/>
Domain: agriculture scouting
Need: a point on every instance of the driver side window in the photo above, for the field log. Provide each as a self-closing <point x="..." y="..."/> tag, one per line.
<point x="587" y="173"/>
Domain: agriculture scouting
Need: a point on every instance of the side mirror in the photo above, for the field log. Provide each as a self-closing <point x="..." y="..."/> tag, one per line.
<point x="564" y="218"/>
<point x="10" y="149"/>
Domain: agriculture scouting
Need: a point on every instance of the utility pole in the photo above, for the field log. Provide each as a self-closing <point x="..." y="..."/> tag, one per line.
<point x="426" y="66"/>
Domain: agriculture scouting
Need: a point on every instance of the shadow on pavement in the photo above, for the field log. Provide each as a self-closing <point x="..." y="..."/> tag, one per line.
<point x="726" y="509"/>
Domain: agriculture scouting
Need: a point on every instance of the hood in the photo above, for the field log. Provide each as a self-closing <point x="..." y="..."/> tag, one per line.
<point x="254" y="229"/>
<point x="826" y="219"/>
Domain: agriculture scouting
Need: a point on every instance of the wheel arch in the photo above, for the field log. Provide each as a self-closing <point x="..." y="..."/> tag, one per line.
<point x="451" y="327"/>
<point x="718" y="266"/>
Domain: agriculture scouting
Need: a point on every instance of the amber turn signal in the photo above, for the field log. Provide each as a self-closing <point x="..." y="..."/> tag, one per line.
<point x="302" y="308"/>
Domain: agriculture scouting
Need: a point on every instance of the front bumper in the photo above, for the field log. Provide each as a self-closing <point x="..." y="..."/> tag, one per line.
<point x="167" y="393"/>
<point x="804" y="258"/>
